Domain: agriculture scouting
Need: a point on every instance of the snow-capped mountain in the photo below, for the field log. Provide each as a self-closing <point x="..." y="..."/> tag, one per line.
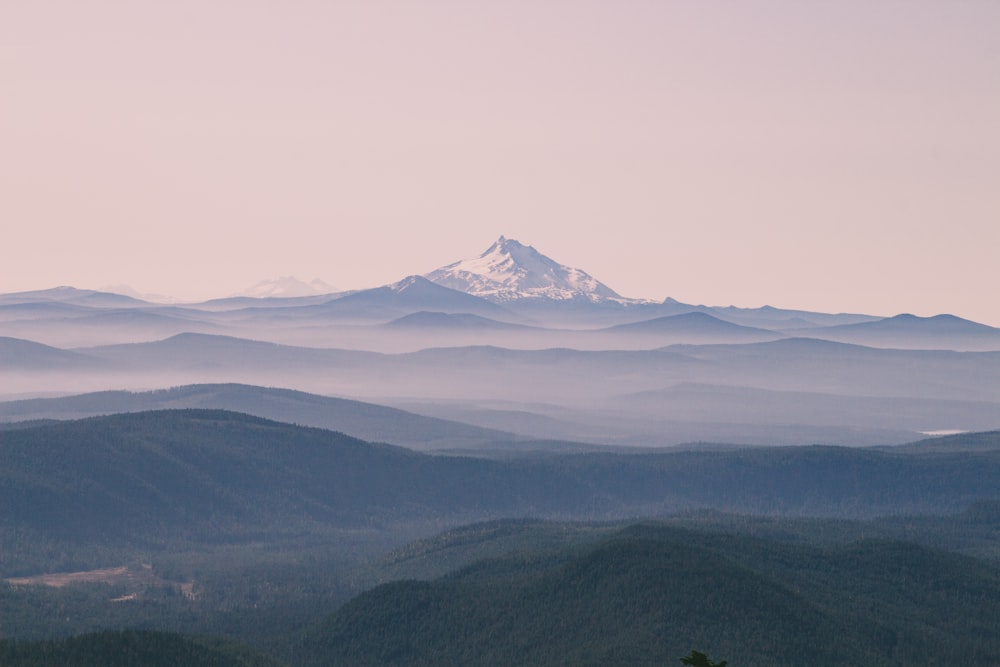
<point x="128" y="290"/>
<point x="287" y="286"/>
<point x="509" y="271"/>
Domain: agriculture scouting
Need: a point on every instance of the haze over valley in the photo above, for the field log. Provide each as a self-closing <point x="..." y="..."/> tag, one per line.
<point x="303" y="473"/>
<point x="387" y="334"/>
<point x="514" y="341"/>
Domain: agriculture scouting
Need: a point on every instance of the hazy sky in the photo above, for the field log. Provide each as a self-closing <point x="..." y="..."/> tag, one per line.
<point x="836" y="156"/>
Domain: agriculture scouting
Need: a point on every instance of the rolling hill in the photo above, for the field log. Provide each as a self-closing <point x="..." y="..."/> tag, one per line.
<point x="697" y="326"/>
<point x="366" y="421"/>
<point x="218" y="477"/>
<point x="649" y="594"/>
<point x="130" y="648"/>
<point x="910" y="331"/>
<point x="18" y="354"/>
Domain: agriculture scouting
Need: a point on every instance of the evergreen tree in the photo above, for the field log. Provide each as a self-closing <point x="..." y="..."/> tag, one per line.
<point x="699" y="659"/>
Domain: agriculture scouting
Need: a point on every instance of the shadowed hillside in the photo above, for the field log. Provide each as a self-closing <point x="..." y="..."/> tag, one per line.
<point x="151" y="478"/>
<point x="130" y="649"/>
<point x="647" y="595"/>
<point x="366" y="421"/>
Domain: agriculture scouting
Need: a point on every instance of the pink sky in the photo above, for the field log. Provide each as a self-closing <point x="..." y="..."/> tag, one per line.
<point x="835" y="156"/>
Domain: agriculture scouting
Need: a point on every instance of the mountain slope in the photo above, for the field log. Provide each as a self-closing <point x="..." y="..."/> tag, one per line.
<point x="16" y="354"/>
<point x="426" y="319"/>
<point x="151" y="475"/>
<point x="409" y="295"/>
<point x="367" y="421"/>
<point x="219" y="476"/>
<point x="584" y="382"/>
<point x="203" y="351"/>
<point x="648" y="594"/>
<point x="65" y="294"/>
<point x="131" y="647"/>
<point x="697" y="324"/>
<point x="911" y="331"/>
<point x="508" y="271"/>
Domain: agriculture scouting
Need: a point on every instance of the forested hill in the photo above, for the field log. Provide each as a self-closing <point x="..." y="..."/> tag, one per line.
<point x="366" y="421"/>
<point x="221" y="476"/>
<point x="648" y="594"/>
<point x="130" y="649"/>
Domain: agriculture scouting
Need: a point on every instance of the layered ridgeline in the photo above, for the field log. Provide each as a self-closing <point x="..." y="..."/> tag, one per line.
<point x="210" y="521"/>
<point x="790" y="391"/>
<point x="515" y="341"/>
<point x="150" y="479"/>
<point x="757" y="591"/>
<point x="509" y="283"/>
<point x="366" y="421"/>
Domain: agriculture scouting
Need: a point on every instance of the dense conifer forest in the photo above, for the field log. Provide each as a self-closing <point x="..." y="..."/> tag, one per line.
<point x="308" y="547"/>
<point x="128" y="649"/>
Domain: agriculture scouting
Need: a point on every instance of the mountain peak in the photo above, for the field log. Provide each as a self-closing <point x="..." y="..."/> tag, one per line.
<point x="287" y="286"/>
<point x="408" y="284"/>
<point x="509" y="270"/>
<point x="505" y="243"/>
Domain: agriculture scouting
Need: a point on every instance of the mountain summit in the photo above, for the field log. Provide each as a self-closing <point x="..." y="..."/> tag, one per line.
<point x="509" y="270"/>
<point x="287" y="286"/>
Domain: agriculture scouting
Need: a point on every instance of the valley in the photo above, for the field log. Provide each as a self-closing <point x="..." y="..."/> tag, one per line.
<point x="502" y="461"/>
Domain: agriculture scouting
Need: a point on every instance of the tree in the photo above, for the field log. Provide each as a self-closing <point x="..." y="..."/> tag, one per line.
<point x="699" y="659"/>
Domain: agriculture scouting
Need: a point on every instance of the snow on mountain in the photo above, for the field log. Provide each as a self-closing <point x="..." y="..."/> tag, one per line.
<point x="509" y="270"/>
<point x="128" y="290"/>
<point x="287" y="286"/>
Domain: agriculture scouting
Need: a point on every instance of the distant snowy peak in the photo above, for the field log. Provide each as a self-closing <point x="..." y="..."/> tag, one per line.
<point x="127" y="290"/>
<point x="287" y="286"/>
<point x="509" y="270"/>
<point x="407" y="284"/>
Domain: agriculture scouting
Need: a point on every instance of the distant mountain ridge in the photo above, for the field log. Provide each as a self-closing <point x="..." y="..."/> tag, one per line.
<point x="912" y="331"/>
<point x="511" y="283"/>
<point x="696" y="323"/>
<point x="523" y="285"/>
<point x="16" y="353"/>
<point x="367" y="421"/>
<point x="67" y="294"/>
<point x="587" y="392"/>
<point x="905" y="322"/>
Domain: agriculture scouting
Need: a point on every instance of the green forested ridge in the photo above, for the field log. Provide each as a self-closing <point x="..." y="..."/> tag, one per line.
<point x="253" y="595"/>
<point x="648" y="594"/>
<point x="275" y="526"/>
<point x="585" y="594"/>
<point x="213" y="476"/>
<point x="218" y="477"/>
<point x="129" y="648"/>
